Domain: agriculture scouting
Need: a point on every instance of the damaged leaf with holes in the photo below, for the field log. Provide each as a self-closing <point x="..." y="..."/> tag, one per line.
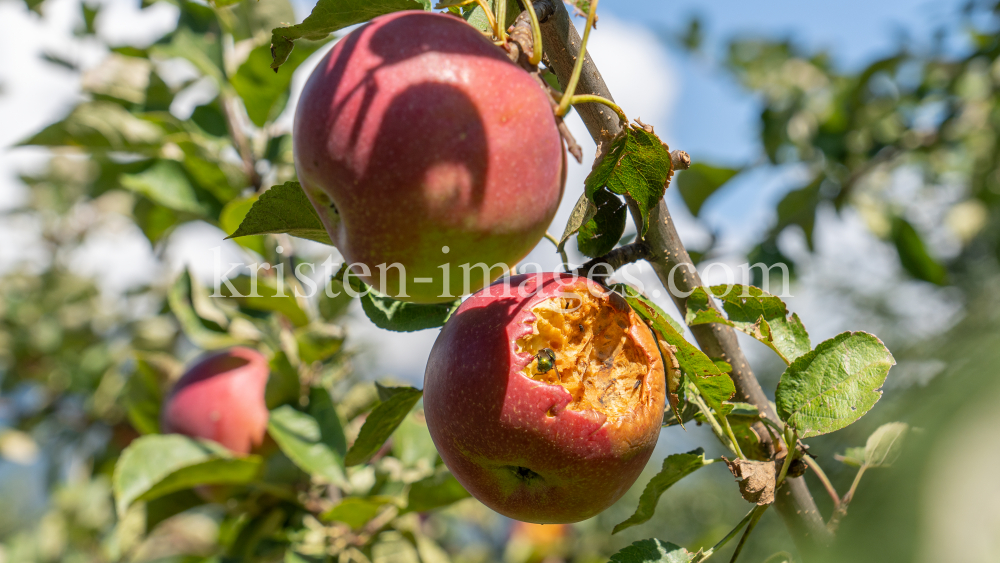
<point x="638" y="166"/>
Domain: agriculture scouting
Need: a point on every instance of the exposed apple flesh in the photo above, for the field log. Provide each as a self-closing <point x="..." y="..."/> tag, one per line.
<point x="545" y="398"/>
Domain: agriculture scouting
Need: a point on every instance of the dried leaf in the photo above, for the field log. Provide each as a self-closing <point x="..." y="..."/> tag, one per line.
<point x="756" y="479"/>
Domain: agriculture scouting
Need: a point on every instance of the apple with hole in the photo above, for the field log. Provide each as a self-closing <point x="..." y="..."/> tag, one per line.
<point x="221" y="398"/>
<point x="544" y="395"/>
<point x="423" y="149"/>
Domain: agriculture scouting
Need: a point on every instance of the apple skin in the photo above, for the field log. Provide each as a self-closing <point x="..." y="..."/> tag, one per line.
<point x="416" y="133"/>
<point x="487" y="418"/>
<point x="221" y="398"/>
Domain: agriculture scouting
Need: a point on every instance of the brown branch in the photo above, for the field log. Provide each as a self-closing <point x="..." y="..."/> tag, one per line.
<point x="614" y="260"/>
<point x="673" y="266"/>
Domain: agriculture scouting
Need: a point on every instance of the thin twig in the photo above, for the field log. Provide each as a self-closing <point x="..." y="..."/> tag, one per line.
<point x="614" y="260"/>
<point x="674" y="268"/>
<point x="821" y="475"/>
<point x="841" y="511"/>
<point x="732" y="534"/>
<point x="561" y="251"/>
<point x="716" y="427"/>
<point x="757" y="513"/>
<point x="581" y="58"/>
<point x="590" y="98"/>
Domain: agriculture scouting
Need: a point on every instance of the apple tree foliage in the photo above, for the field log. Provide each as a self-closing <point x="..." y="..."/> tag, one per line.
<point x="349" y="472"/>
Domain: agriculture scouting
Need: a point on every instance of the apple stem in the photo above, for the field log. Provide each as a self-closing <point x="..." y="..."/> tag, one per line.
<point x="587" y="98"/>
<point x="716" y="428"/>
<point x="536" y="34"/>
<point x="574" y="78"/>
<point x="501" y="19"/>
<point x="561" y="251"/>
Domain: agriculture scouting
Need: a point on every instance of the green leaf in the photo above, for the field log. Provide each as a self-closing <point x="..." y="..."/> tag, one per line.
<point x="885" y="444"/>
<point x="264" y="296"/>
<point x="386" y="393"/>
<point x="166" y="184"/>
<point x="700" y="181"/>
<point x="284" y="209"/>
<point x="582" y="213"/>
<point x="834" y="385"/>
<point x="356" y="511"/>
<point x="476" y="17"/>
<point x="255" y="19"/>
<point x="913" y="253"/>
<point x="143" y="393"/>
<point x="200" y="49"/>
<point x="322" y="409"/>
<point x="653" y="551"/>
<point x="233" y="214"/>
<point x="436" y="491"/>
<point x="155" y="465"/>
<point x="100" y="125"/>
<point x="798" y="207"/>
<point x="755" y="312"/>
<point x="283" y="386"/>
<point x="178" y="297"/>
<point x="637" y="165"/>
<point x="380" y="424"/>
<point x="853" y="456"/>
<point x="331" y="15"/>
<point x="675" y="467"/>
<point x="316" y="450"/>
<point x="602" y="232"/>
<point x="334" y="300"/>
<point x="319" y="342"/>
<point x="714" y="385"/>
<point x="401" y="316"/>
<point x="264" y="91"/>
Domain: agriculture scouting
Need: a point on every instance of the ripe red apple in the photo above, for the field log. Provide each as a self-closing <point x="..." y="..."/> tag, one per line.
<point x="416" y="133"/>
<point x="545" y="397"/>
<point x="221" y="398"/>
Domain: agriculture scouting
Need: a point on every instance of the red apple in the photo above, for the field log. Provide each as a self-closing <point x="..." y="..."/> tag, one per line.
<point x="545" y="397"/>
<point x="221" y="398"/>
<point x="420" y="144"/>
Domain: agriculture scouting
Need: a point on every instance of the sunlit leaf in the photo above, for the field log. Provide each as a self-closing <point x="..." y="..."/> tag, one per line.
<point x="264" y="91"/>
<point x="636" y="165"/>
<point x="283" y="209"/>
<point x="834" y="385"/>
<point x="331" y="15"/>
<point x="380" y="424"/>
<point x="714" y="385"/>
<point x="752" y="311"/>
<point x="356" y="511"/>
<point x="100" y="125"/>
<point x="436" y="491"/>
<point x="158" y="464"/>
<point x="317" y="450"/>
<point x="675" y="467"/>
<point x="653" y="551"/>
